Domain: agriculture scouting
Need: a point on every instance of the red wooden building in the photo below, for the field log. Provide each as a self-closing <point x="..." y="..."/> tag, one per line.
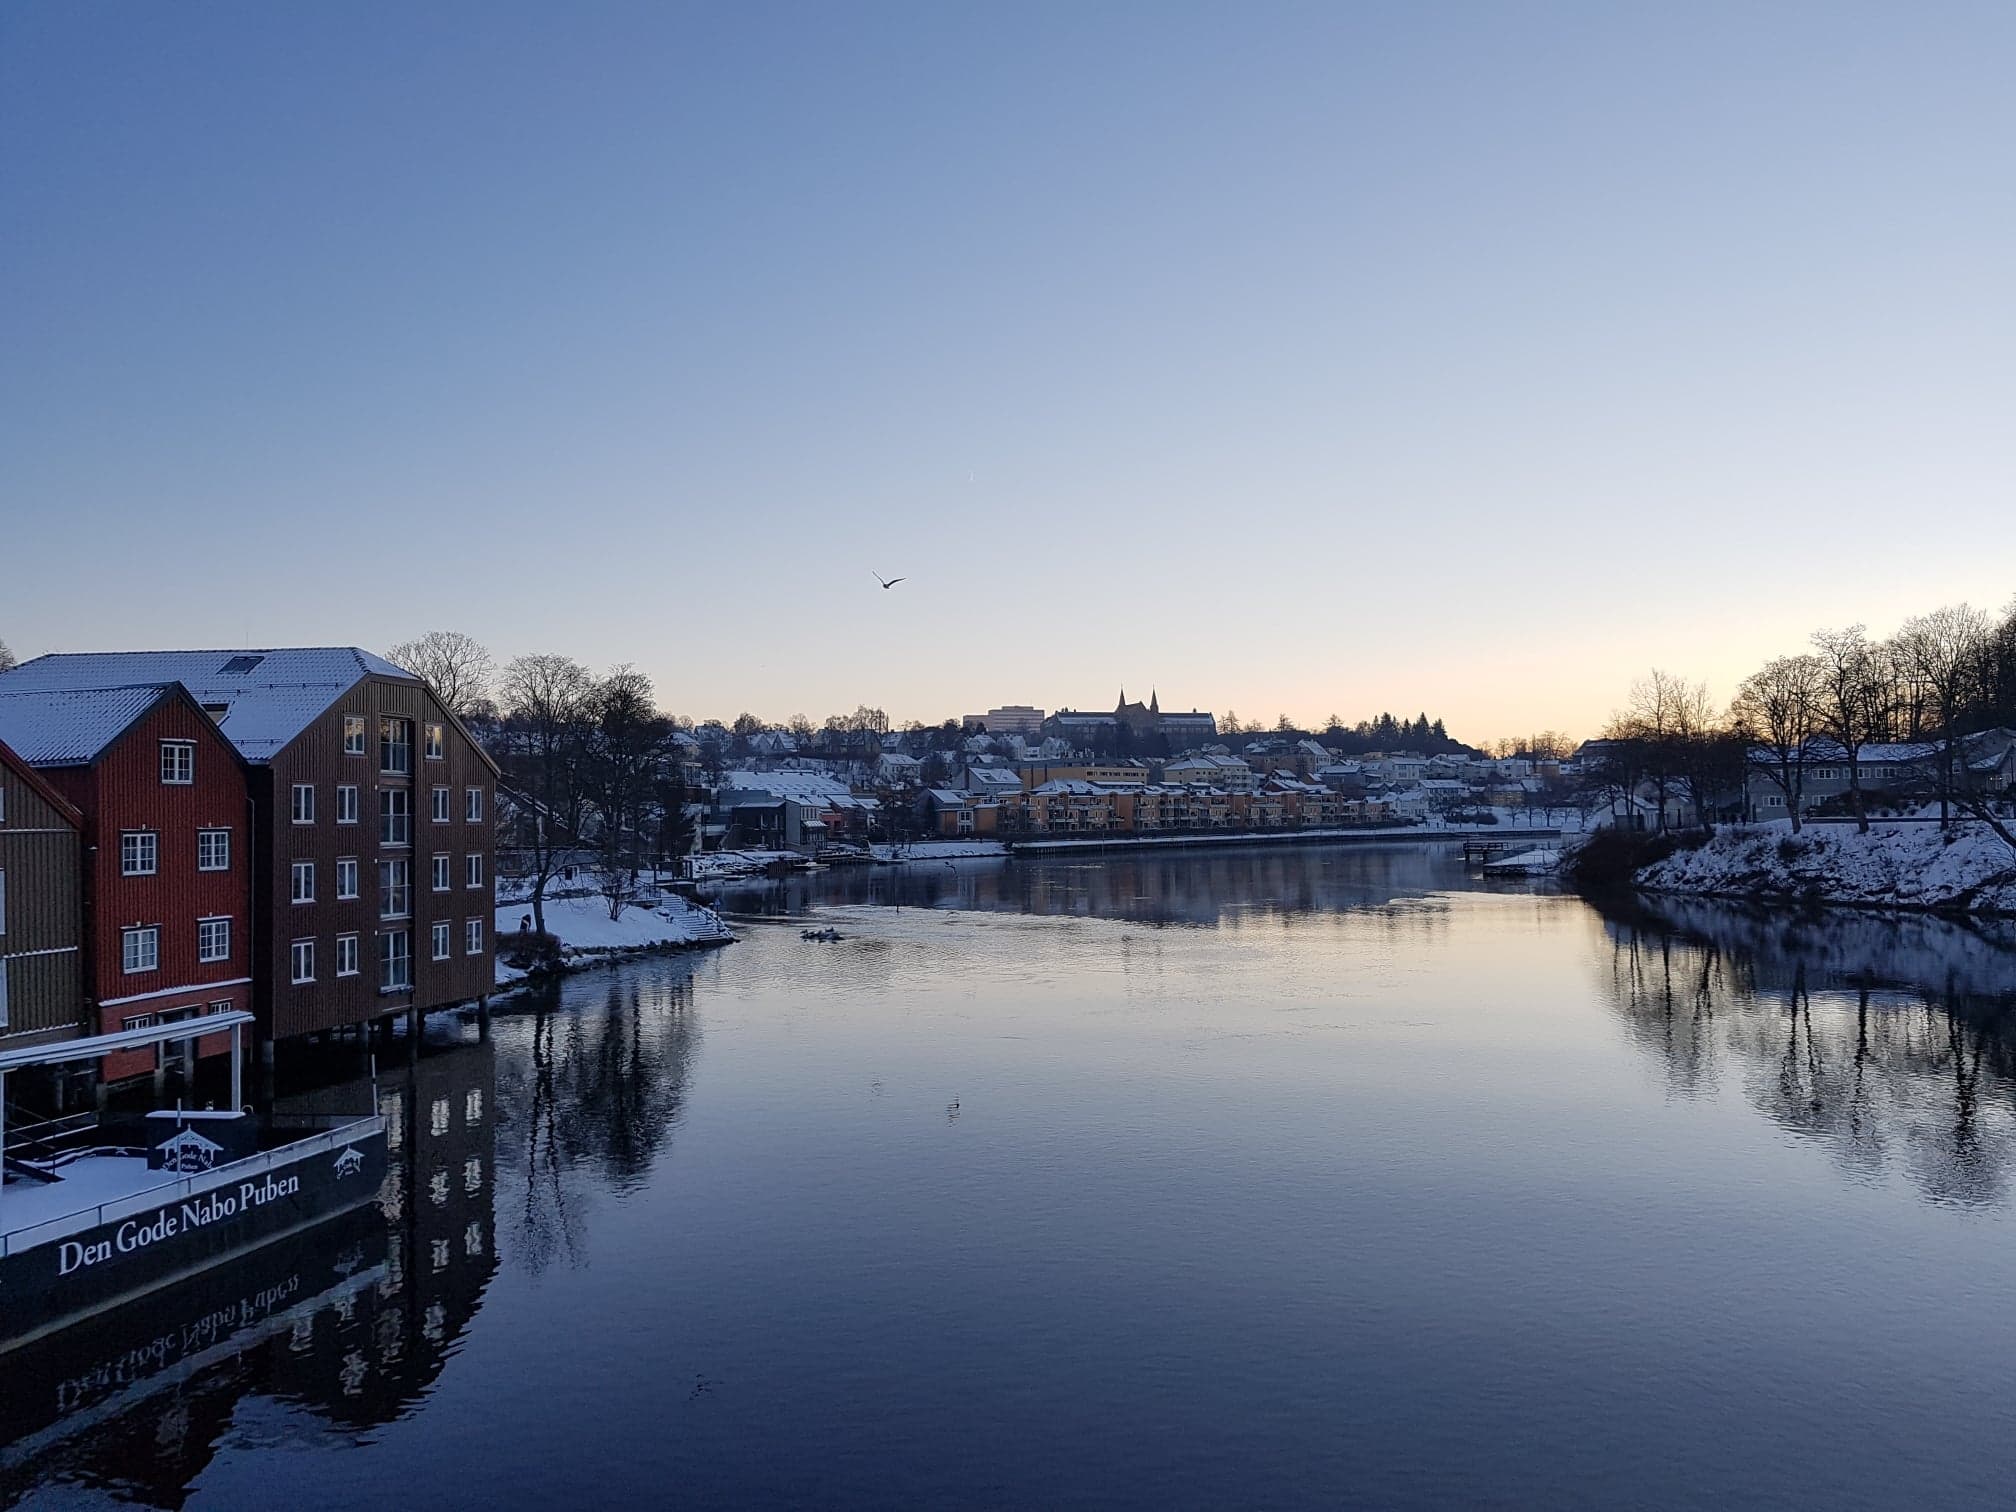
<point x="372" y="825"/>
<point x="167" y="873"/>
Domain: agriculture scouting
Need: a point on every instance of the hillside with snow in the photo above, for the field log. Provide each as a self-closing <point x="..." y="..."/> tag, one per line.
<point x="1897" y="865"/>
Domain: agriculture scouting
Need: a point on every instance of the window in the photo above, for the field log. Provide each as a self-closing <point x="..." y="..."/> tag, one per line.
<point x="441" y="873"/>
<point x="178" y="762"/>
<point x="395" y="744"/>
<point x="472" y="806"/>
<point x="441" y="814"/>
<point x="395" y="889"/>
<point x="472" y="937"/>
<point x="213" y="850"/>
<point x="304" y="881"/>
<point x="436" y="749"/>
<point x="304" y="803"/>
<point x="353" y="734"/>
<point x="213" y="940"/>
<point x="442" y="940"/>
<point x="303" y="956"/>
<point x="138" y="1021"/>
<point x="346" y="803"/>
<point x="395" y="961"/>
<point x="395" y="817"/>
<point x="346" y="876"/>
<point x="472" y="869"/>
<point x="346" y="955"/>
<point x="140" y="949"/>
<point x="138" y="853"/>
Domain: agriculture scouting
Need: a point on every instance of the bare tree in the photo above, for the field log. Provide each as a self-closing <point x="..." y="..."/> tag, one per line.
<point x="1852" y="705"/>
<point x="1946" y="650"/>
<point x="547" y="702"/>
<point x="1776" y="708"/>
<point x="457" y="667"/>
<point x="1655" y="720"/>
<point x="628" y="742"/>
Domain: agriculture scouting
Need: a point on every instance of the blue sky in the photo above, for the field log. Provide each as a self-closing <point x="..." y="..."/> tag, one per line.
<point x="1286" y="358"/>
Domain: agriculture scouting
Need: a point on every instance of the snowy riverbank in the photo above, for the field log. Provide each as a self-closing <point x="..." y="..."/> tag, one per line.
<point x="1895" y="865"/>
<point x="587" y="934"/>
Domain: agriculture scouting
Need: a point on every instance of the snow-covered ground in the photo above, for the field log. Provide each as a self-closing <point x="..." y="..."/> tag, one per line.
<point x="584" y="928"/>
<point x="1526" y="863"/>
<point x="714" y="866"/>
<point x="1898" y="865"/>
<point x="936" y="850"/>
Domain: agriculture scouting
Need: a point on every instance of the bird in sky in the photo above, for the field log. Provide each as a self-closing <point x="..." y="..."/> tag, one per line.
<point x="887" y="583"/>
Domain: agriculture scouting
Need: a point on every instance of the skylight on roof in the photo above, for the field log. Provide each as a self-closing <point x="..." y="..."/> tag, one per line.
<point x="240" y="665"/>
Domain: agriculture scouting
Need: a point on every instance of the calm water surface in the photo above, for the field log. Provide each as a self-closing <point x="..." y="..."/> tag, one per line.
<point x="1296" y="1178"/>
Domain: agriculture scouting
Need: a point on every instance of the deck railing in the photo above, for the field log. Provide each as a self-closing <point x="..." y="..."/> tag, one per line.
<point x="51" y="1229"/>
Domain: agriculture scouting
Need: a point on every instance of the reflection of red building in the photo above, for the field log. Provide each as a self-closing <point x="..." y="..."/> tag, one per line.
<point x="167" y="873"/>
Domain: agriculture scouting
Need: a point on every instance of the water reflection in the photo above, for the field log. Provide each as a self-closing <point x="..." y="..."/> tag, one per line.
<point x="339" y="1329"/>
<point x="1889" y="1040"/>
<point x="595" y="1079"/>
<point x="1199" y="887"/>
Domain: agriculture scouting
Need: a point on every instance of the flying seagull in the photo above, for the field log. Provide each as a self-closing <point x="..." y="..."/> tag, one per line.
<point x="887" y="583"/>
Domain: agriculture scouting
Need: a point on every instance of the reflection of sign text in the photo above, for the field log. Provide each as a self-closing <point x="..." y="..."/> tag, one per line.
<point x="164" y="1349"/>
<point x="137" y="1234"/>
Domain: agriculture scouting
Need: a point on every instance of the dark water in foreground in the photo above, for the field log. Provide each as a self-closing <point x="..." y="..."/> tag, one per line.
<point x="1309" y="1178"/>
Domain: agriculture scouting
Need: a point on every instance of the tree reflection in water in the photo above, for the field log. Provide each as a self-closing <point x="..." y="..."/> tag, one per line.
<point x="595" y="1085"/>
<point x="1891" y="1040"/>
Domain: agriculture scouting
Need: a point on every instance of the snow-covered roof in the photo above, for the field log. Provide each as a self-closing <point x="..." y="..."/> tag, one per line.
<point x="70" y="727"/>
<point x="269" y="696"/>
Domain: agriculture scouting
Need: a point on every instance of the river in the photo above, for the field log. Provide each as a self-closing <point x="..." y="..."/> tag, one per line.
<point x="1301" y="1177"/>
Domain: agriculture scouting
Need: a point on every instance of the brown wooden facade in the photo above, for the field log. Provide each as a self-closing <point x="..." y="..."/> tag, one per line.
<point x="41" y="909"/>
<point x="194" y="889"/>
<point x="368" y="836"/>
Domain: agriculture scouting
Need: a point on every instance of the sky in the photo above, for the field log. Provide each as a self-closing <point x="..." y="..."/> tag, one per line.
<point x="1282" y="358"/>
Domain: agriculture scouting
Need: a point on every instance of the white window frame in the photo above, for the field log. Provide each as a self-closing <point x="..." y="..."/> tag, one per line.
<point x="356" y="735"/>
<point x="346" y="956"/>
<point x="472" y="869"/>
<point x="442" y="814"/>
<point x="442" y="937"/>
<point x="136" y="846"/>
<point x="441" y="871"/>
<point x="346" y="803"/>
<point x="300" y="951"/>
<point x="345" y="894"/>
<point x="472" y="936"/>
<point x="178" y="763"/>
<point x="472" y="805"/>
<point x="215" y="922"/>
<point x="405" y="958"/>
<point x="140" y="949"/>
<point x="304" y="803"/>
<point x="388" y="811"/>
<point x="297" y="873"/>
<point x="390" y="725"/>
<point x="214" y="837"/>
<point x="434" y="738"/>
<point x="391" y="890"/>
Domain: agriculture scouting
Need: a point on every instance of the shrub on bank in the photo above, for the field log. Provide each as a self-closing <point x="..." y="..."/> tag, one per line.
<point x="1610" y="858"/>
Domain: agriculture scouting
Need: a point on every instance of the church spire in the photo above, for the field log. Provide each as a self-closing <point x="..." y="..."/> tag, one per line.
<point x="1154" y="702"/>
